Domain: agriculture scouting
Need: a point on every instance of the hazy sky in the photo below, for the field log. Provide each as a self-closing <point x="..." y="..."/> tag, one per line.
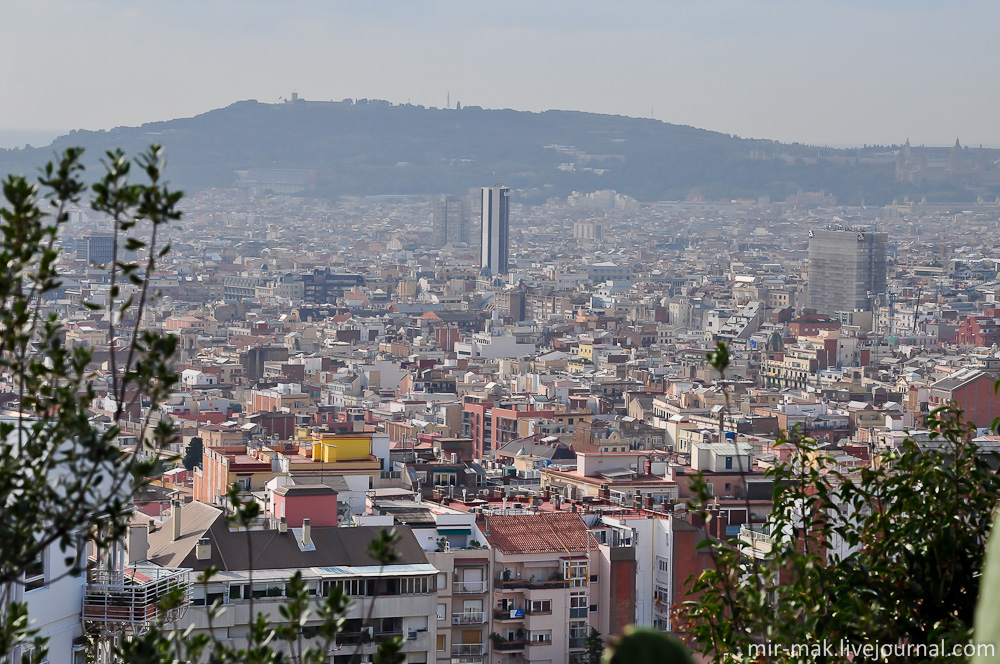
<point x="844" y="72"/>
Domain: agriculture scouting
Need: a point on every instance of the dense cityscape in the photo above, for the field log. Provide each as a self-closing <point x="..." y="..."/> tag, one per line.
<point x="524" y="392"/>
<point x="442" y="332"/>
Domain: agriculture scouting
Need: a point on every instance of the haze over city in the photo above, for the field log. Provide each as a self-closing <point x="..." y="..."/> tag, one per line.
<point x="826" y="73"/>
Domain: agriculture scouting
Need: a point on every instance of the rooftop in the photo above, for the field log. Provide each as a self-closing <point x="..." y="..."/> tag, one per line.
<point x="545" y="532"/>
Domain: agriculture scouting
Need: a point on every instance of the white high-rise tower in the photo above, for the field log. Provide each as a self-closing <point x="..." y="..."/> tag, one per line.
<point x="495" y="255"/>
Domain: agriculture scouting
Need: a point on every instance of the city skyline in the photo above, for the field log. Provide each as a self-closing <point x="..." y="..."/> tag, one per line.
<point x="777" y="70"/>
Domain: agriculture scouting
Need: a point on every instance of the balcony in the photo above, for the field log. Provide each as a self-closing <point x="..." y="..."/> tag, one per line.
<point x="130" y="599"/>
<point x="468" y="618"/>
<point x="367" y="635"/>
<point x="509" y="646"/>
<point x="470" y="587"/>
<point x="577" y="642"/>
<point x="468" y="649"/>
<point x="508" y="614"/>
<point x="514" y="584"/>
<point x="757" y="539"/>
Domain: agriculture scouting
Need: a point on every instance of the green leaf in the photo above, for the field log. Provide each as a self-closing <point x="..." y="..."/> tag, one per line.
<point x="987" y="622"/>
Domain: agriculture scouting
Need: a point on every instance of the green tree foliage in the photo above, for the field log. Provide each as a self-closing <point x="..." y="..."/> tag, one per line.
<point x="62" y="479"/>
<point x="595" y="646"/>
<point x="885" y="555"/>
<point x="193" y="453"/>
<point x="645" y="645"/>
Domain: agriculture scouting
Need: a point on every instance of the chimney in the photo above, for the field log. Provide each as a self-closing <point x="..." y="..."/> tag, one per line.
<point x="137" y="544"/>
<point x="722" y="523"/>
<point x="203" y="550"/>
<point x="306" y="533"/>
<point x="283" y="526"/>
<point x="176" y="509"/>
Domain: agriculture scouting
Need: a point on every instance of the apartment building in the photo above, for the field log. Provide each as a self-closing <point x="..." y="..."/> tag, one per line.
<point x="665" y="552"/>
<point x="258" y="564"/>
<point x="546" y="577"/>
<point x="461" y="556"/>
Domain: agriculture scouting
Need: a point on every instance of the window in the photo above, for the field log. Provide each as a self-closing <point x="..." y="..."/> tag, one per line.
<point x="729" y="463"/>
<point x="540" y="636"/>
<point x="578" y="605"/>
<point x="442" y="580"/>
<point x="34" y="573"/>
<point x="663" y="564"/>
<point x="350" y="587"/>
<point x="441" y="642"/>
<point x="541" y="606"/>
<point x="575" y="571"/>
<point x="413" y="585"/>
<point x="442" y="612"/>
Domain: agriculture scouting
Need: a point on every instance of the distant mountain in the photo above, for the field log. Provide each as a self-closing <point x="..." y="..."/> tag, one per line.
<point x="373" y="147"/>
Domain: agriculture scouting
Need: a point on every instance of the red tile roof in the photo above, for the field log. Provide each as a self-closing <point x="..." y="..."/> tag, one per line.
<point x="545" y="532"/>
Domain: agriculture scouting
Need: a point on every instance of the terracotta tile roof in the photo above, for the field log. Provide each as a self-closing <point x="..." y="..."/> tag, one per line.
<point x="545" y="532"/>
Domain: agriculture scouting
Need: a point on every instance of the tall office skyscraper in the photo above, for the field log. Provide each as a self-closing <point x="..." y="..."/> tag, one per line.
<point x="847" y="267"/>
<point x="495" y="252"/>
<point x="97" y="248"/>
<point x="450" y="221"/>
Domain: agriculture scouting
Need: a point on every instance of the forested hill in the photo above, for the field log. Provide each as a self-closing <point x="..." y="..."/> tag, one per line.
<point x="377" y="148"/>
